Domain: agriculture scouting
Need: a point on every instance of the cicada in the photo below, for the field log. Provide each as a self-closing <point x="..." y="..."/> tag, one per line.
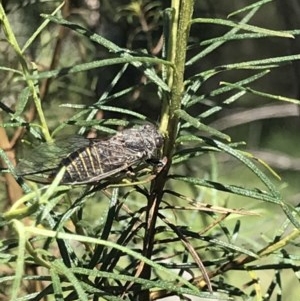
<point x="89" y="160"/>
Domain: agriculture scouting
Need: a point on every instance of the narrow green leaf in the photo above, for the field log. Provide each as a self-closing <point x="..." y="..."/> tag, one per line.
<point x="267" y="95"/>
<point x="11" y="169"/>
<point x="126" y="55"/>
<point x="292" y="214"/>
<point x="57" y="288"/>
<point x="86" y="239"/>
<point x="264" y="63"/>
<point x="246" y="192"/>
<point x="11" y="70"/>
<point x="243" y="27"/>
<point x="200" y="126"/>
<point x="53" y="186"/>
<point x="71" y="120"/>
<point x="183" y="139"/>
<point x="97" y="64"/>
<point x="222" y="90"/>
<point x="227" y="101"/>
<point x="214" y="46"/>
<point x="257" y="4"/>
<point x="147" y="284"/>
<point x="40" y="28"/>
<point x="232" y="247"/>
<point x="265" y="164"/>
<point x="239" y="155"/>
<point x="100" y="125"/>
<point x="22" y="101"/>
<point x="60" y="268"/>
<point x="20" y="263"/>
<point x="45" y="210"/>
<point x="242" y="36"/>
<point x="107" y="108"/>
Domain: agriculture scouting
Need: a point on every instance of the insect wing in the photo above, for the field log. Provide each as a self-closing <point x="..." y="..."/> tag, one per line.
<point x="104" y="159"/>
<point x="90" y="160"/>
<point x="42" y="160"/>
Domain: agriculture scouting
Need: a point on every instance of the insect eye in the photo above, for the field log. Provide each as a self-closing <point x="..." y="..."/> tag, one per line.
<point x="159" y="141"/>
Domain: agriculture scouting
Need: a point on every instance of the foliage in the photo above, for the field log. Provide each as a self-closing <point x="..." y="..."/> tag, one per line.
<point x="172" y="234"/>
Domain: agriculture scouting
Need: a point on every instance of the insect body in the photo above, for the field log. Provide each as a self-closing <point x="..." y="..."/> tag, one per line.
<point x="93" y="159"/>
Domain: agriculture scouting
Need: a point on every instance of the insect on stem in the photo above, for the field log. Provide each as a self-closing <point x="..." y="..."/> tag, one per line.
<point x="88" y="161"/>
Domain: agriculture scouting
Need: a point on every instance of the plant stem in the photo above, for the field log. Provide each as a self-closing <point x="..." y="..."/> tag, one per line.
<point x="177" y="56"/>
<point x="169" y="123"/>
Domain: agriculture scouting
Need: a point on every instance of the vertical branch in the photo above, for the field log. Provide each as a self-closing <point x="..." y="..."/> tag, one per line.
<point x="176" y="52"/>
<point x="176" y="55"/>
